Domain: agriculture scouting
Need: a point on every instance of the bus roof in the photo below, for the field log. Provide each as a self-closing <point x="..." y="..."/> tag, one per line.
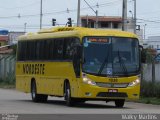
<point x="80" y="32"/>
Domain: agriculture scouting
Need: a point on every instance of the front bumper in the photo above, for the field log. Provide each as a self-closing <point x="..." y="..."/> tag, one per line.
<point x="94" y="92"/>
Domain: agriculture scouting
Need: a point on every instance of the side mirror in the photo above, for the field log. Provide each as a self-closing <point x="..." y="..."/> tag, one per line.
<point x="141" y="47"/>
<point x="143" y="55"/>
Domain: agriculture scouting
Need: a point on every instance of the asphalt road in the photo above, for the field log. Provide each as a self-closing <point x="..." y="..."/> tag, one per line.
<point x="15" y="102"/>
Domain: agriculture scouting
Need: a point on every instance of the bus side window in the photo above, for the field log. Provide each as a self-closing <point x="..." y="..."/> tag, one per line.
<point x="34" y="50"/>
<point x="70" y="53"/>
<point x="25" y="49"/>
<point x="76" y="59"/>
<point x="47" y="50"/>
<point x="41" y="49"/>
<point x="67" y="48"/>
<point x="30" y="48"/>
<point x="58" y="49"/>
<point x="37" y="50"/>
<point x="20" y="51"/>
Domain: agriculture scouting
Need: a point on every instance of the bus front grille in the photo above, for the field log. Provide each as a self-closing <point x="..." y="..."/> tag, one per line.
<point x="112" y="85"/>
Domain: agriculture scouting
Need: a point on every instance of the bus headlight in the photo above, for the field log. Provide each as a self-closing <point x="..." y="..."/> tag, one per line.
<point x="88" y="81"/>
<point x="134" y="83"/>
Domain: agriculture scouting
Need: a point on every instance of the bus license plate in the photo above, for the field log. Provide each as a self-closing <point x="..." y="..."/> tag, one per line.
<point x="113" y="90"/>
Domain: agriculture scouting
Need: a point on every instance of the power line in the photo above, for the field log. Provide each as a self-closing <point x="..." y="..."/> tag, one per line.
<point x="59" y="12"/>
<point x="63" y="12"/>
<point x="153" y="34"/>
<point x="153" y="21"/>
<point x="29" y="26"/>
<point x="155" y="27"/>
<point x="31" y="4"/>
<point x="72" y="10"/>
<point x="151" y="12"/>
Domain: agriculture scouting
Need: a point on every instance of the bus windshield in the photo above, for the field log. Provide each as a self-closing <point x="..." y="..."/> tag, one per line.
<point x="115" y="56"/>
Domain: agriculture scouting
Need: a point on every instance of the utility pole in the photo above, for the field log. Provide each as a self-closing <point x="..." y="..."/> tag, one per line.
<point x="78" y="14"/>
<point x="41" y="15"/>
<point x="96" y="18"/>
<point x="96" y="12"/>
<point x="144" y="32"/>
<point x="87" y="20"/>
<point x="124" y="15"/>
<point x="135" y="18"/>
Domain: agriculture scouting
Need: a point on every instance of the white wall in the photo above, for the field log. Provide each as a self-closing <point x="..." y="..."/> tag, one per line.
<point x="147" y="72"/>
<point x="153" y="42"/>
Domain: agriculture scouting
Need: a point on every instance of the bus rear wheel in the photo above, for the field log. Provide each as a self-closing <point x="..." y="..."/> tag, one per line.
<point x="37" y="97"/>
<point x="119" y="103"/>
<point x="67" y="95"/>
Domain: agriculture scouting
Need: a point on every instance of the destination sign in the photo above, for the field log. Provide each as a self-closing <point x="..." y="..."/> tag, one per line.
<point x="103" y="40"/>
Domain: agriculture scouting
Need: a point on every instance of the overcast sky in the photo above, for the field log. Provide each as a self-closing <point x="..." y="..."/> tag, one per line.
<point x="15" y="13"/>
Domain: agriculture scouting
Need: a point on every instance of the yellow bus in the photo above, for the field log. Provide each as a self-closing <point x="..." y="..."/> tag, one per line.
<point x="79" y="64"/>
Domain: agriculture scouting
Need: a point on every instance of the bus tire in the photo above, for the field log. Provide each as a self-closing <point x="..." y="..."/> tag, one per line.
<point x="119" y="103"/>
<point x="67" y="95"/>
<point x="37" y="97"/>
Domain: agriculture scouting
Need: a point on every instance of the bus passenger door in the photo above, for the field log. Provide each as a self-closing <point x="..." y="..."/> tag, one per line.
<point x="76" y="66"/>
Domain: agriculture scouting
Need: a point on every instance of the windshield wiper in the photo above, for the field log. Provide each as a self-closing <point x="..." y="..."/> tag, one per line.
<point x="122" y="64"/>
<point x="105" y="62"/>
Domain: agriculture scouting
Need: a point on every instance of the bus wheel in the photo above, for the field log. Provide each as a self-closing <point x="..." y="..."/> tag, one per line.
<point x="37" y="97"/>
<point x="68" y="98"/>
<point x="119" y="103"/>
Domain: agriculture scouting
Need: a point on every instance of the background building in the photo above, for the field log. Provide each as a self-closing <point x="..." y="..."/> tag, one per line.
<point x="110" y="22"/>
<point x="153" y="42"/>
<point x="13" y="37"/>
<point x="4" y="37"/>
<point x="7" y="41"/>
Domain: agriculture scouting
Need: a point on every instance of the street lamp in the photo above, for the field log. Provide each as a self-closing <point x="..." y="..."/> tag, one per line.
<point x="41" y="14"/>
<point x="135" y="18"/>
<point x="132" y="23"/>
<point x="78" y="14"/>
<point x="144" y="31"/>
<point x="25" y="25"/>
<point x="131" y="14"/>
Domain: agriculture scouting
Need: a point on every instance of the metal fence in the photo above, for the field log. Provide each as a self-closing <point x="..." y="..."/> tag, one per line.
<point x="7" y="67"/>
<point x="151" y="73"/>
